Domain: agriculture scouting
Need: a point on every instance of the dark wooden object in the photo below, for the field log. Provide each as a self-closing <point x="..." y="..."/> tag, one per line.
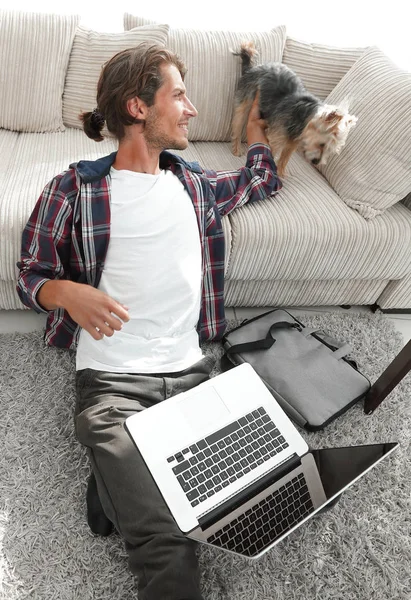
<point x="397" y="370"/>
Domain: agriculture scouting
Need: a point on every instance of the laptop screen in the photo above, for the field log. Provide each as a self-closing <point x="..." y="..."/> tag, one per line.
<point x="339" y="467"/>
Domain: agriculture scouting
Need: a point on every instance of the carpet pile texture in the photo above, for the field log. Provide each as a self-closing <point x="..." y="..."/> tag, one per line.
<point x="359" y="550"/>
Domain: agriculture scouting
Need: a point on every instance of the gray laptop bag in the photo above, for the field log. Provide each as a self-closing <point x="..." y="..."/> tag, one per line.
<point x="306" y="370"/>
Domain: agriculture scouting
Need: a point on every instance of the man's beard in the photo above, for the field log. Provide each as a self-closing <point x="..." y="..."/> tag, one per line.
<point x="158" y="140"/>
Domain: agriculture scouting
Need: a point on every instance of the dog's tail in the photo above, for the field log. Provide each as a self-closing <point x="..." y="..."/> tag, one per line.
<point x="248" y="53"/>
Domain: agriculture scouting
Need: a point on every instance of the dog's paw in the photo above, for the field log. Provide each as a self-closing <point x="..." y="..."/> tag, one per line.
<point x="236" y="149"/>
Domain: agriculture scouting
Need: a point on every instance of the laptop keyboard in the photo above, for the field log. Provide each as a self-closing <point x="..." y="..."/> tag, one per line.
<point x="262" y="524"/>
<point x="212" y="463"/>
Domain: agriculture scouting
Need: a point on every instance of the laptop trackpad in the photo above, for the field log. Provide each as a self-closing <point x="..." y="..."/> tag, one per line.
<point x="203" y="409"/>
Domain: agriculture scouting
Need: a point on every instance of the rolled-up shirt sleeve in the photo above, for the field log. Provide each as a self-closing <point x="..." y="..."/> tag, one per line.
<point x="45" y="246"/>
<point x="255" y="181"/>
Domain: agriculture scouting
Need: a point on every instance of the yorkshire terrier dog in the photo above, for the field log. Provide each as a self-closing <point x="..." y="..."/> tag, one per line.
<point x="296" y="120"/>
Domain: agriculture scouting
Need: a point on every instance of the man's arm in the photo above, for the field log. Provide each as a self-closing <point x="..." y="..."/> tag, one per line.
<point x="257" y="180"/>
<point x="256" y="126"/>
<point x="44" y="279"/>
<point x="45" y="246"/>
<point x="89" y="307"/>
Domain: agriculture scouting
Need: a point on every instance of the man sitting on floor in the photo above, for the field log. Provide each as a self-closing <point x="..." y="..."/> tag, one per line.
<point x="126" y="254"/>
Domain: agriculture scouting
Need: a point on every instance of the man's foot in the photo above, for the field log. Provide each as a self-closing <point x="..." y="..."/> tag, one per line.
<point x="96" y="518"/>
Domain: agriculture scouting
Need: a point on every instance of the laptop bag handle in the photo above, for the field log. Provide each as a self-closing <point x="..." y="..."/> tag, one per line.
<point x="265" y="343"/>
<point x="339" y="352"/>
<point x="269" y="340"/>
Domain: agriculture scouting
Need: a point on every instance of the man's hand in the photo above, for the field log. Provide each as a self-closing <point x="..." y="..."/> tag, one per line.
<point x="256" y="126"/>
<point x="95" y="311"/>
<point x="89" y="307"/>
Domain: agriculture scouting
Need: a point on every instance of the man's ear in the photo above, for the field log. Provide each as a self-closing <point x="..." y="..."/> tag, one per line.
<point x="137" y="108"/>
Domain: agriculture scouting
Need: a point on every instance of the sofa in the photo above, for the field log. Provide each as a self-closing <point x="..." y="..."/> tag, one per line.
<point x="334" y="235"/>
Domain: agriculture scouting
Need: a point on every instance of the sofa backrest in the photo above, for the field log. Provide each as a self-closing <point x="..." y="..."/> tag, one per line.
<point x="320" y="67"/>
<point x="213" y="73"/>
<point x="34" y="53"/>
<point x="90" y="50"/>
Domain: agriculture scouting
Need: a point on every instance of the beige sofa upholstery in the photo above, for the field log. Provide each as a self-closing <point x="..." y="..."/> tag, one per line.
<point x="304" y="246"/>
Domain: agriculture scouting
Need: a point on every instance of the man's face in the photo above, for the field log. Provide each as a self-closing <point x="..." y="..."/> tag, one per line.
<point x="167" y="121"/>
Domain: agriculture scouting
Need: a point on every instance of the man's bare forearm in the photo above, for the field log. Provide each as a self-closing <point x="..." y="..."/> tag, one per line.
<point x="256" y="126"/>
<point x="51" y="295"/>
<point x="256" y="135"/>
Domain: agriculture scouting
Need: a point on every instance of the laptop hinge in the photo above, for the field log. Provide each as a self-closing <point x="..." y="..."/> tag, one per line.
<point x="248" y="492"/>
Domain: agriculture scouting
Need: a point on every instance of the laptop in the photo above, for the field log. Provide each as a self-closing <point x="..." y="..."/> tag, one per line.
<point x="233" y="469"/>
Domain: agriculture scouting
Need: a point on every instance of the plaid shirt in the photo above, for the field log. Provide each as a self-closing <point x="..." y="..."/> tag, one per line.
<point x="68" y="232"/>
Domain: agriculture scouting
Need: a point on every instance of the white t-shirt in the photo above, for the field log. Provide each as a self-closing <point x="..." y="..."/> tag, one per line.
<point x="153" y="266"/>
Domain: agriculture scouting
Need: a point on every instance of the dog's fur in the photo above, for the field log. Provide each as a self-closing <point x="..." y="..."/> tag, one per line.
<point x="296" y="119"/>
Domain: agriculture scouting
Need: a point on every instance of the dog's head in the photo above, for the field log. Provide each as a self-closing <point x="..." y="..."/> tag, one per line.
<point x="326" y="133"/>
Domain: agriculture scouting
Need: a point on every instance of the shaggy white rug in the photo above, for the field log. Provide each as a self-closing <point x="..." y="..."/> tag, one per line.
<point x="359" y="550"/>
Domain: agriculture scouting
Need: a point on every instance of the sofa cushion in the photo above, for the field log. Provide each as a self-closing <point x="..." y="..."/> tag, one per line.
<point x="373" y="171"/>
<point x="213" y="72"/>
<point x="396" y="295"/>
<point x="34" y="53"/>
<point x="8" y="141"/>
<point x="320" y="67"/>
<point x="91" y="49"/>
<point x="306" y="232"/>
<point x="36" y="159"/>
<point x="130" y="21"/>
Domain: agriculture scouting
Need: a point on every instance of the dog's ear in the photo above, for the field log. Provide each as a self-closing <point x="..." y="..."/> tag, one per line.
<point x="333" y="117"/>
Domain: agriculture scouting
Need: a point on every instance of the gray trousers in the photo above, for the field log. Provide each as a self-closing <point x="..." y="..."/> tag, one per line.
<point x="162" y="558"/>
